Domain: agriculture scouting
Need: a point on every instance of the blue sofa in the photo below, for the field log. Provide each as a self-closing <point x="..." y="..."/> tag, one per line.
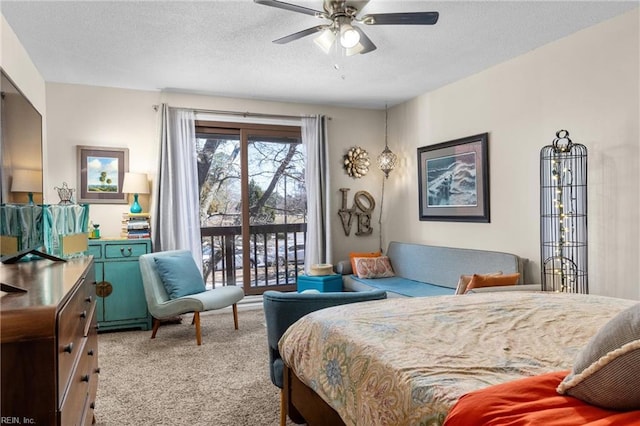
<point x="423" y="270"/>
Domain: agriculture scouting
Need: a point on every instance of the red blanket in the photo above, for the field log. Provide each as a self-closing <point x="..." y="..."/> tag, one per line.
<point x="532" y="401"/>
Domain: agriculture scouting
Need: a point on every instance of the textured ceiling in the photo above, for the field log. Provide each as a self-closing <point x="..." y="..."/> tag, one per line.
<point x="224" y="48"/>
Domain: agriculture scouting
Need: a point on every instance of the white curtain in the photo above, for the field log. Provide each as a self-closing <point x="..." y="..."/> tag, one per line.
<point x="176" y="218"/>
<point x="314" y="139"/>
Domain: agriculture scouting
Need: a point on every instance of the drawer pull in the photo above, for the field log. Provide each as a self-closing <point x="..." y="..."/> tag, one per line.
<point x="69" y="348"/>
<point x="90" y="353"/>
<point x="83" y="314"/>
<point x="97" y="370"/>
<point x="129" y="251"/>
<point x="92" y="405"/>
<point x="84" y="378"/>
<point x="89" y="299"/>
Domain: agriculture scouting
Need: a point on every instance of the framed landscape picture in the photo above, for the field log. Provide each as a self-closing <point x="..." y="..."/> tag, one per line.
<point x="453" y="180"/>
<point x="101" y="174"/>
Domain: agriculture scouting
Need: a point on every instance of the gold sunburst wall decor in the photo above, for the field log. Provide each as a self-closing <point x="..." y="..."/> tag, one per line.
<point x="356" y="162"/>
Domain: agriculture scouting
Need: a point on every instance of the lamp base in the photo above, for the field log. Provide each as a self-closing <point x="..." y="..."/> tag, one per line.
<point x="135" y="207"/>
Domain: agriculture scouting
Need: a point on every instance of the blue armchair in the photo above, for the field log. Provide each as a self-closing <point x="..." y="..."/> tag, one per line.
<point x="283" y="309"/>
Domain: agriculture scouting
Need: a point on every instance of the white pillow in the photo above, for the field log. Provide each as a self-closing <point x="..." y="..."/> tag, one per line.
<point x="373" y="267"/>
<point x="606" y="372"/>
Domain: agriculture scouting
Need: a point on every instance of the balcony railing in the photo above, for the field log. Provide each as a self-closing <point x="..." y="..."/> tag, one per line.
<point x="276" y="256"/>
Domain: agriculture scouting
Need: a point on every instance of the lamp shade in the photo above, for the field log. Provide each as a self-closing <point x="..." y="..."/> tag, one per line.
<point x="26" y="181"/>
<point x="135" y="183"/>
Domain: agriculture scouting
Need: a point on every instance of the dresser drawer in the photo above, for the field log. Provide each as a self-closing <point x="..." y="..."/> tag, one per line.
<point x="95" y="251"/>
<point x="74" y="324"/>
<point x="76" y="402"/>
<point x="125" y="251"/>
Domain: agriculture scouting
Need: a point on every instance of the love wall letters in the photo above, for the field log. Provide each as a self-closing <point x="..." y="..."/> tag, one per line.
<point x="363" y="205"/>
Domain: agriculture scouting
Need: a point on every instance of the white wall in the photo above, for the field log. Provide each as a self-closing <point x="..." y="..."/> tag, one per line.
<point x="587" y="83"/>
<point x="17" y="65"/>
<point x="86" y="115"/>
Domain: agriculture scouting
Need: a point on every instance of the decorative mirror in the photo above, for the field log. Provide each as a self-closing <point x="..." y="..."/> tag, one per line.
<point x="356" y="162"/>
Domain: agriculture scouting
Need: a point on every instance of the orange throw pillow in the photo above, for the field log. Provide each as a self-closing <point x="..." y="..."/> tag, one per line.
<point x="492" y="280"/>
<point x="464" y="281"/>
<point x="353" y="255"/>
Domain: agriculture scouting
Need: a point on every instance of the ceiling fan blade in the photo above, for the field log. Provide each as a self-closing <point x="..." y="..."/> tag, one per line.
<point x="365" y="41"/>
<point x="408" y="18"/>
<point x="300" y="34"/>
<point x="289" y="6"/>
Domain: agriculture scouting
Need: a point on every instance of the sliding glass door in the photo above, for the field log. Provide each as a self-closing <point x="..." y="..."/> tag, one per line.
<point x="252" y="205"/>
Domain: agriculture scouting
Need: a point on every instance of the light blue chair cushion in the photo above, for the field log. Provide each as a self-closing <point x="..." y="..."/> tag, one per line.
<point x="180" y="275"/>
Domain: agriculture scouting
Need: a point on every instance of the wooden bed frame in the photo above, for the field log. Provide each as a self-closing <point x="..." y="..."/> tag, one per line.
<point x="303" y="405"/>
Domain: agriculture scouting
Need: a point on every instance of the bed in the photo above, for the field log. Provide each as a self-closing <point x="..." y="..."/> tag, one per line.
<point x="407" y="361"/>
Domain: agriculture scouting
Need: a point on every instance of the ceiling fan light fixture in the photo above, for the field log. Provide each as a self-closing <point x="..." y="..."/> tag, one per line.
<point x="354" y="50"/>
<point x="349" y="37"/>
<point x="325" y="40"/>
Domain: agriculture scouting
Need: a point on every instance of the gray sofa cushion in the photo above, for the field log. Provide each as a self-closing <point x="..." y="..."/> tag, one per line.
<point x="443" y="266"/>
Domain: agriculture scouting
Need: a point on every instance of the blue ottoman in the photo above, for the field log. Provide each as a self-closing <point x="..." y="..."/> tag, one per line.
<point x="322" y="283"/>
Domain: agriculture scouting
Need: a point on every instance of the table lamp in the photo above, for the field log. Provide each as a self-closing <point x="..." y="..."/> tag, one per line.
<point x="29" y="181"/>
<point x="135" y="183"/>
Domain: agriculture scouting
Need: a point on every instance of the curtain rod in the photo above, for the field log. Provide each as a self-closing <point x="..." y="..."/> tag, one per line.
<point x="242" y="114"/>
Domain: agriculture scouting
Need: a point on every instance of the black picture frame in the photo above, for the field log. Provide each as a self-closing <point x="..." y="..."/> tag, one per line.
<point x="453" y="180"/>
<point x="113" y="162"/>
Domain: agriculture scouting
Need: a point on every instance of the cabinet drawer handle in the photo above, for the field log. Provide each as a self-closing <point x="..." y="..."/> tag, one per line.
<point x="129" y="251"/>
<point x="104" y="289"/>
<point x="84" y="378"/>
<point x="90" y="353"/>
<point x="89" y="299"/>
<point x="69" y="348"/>
<point x="97" y="370"/>
<point x="83" y="314"/>
<point x="92" y="405"/>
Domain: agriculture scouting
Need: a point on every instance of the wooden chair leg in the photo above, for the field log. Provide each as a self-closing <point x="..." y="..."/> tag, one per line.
<point x="283" y="409"/>
<point x="156" y="325"/>
<point x="235" y="315"/>
<point x="196" y="321"/>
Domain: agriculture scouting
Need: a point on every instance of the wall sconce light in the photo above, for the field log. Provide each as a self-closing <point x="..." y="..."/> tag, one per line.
<point x="387" y="159"/>
<point x="135" y="183"/>
<point x="29" y="181"/>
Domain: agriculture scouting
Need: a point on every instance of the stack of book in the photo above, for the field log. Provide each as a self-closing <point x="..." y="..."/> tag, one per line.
<point x="136" y="225"/>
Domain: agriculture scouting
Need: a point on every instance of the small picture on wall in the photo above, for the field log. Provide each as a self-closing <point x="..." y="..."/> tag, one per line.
<point x="101" y="174"/>
<point x="453" y="180"/>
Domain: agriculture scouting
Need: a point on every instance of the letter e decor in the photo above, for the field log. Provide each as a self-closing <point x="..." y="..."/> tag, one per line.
<point x="363" y="205"/>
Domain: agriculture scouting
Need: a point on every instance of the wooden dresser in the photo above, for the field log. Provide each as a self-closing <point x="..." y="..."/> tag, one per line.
<point x="49" y="352"/>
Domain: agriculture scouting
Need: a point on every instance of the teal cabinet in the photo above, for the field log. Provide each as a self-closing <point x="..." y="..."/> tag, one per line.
<point x="121" y="301"/>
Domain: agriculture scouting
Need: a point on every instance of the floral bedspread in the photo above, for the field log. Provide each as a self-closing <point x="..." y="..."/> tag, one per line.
<point x="406" y="361"/>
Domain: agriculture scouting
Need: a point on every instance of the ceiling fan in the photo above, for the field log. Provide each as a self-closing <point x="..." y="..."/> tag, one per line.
<point x="342" y="14"/>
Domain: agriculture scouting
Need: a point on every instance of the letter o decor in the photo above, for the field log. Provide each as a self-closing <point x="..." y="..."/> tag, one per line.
<point x="364" y="195"/>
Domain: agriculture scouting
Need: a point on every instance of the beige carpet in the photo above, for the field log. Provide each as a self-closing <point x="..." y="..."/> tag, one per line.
<point x="171" y="381"/>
